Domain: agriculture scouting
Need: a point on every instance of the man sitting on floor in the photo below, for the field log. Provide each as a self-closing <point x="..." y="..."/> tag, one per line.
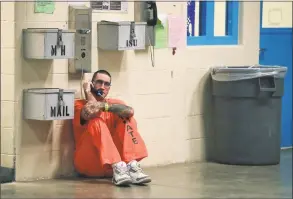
<point x="107" y="142"/>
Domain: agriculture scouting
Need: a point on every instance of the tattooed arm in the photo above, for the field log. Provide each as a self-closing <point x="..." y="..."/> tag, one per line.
<point x="92" y="108"/>
<point x="121" y="110"/>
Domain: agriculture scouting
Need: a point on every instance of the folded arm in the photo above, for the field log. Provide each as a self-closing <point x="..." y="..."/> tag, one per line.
<point x="92" y="108"/>
<point x="121" y="110"/>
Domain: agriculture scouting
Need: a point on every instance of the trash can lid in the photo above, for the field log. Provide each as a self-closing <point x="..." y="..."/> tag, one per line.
<point x="234" y="73"/>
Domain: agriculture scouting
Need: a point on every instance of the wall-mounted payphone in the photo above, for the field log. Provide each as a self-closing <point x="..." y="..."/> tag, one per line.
<point x="146" y="11"/>
<point x="80" y="19"/>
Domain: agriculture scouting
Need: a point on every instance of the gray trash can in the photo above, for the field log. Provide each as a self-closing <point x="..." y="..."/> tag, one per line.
<point x="247" y="114"/>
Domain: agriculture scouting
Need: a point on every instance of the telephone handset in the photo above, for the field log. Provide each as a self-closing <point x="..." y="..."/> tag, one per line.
<point x="98" y="92"/>
<point x="152" y="14"/>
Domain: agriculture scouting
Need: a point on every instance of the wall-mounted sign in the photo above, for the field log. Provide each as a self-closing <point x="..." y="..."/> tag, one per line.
<point x="46" y="7"/>
<point x="109" y="5"/>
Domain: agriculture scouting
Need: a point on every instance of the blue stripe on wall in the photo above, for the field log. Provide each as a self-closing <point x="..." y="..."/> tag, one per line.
<point x="202" y="18"/>
<point x="234" y="5"/>
<point x="228" y="18"/>
<point x="210" y="18"/>
<point x="273" y="31"/>
<point x="190" y="17"/>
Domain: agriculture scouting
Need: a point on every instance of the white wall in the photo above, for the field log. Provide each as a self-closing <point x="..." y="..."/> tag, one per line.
<point x="171" y="102"/>
<point x="7" y="84"/>
<point x="277" y="15"/>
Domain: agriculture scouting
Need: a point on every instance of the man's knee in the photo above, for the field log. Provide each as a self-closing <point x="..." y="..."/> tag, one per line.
<point x="97" y="125"/>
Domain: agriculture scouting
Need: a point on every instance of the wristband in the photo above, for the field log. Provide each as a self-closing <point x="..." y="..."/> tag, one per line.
<point x="106" y="107"/>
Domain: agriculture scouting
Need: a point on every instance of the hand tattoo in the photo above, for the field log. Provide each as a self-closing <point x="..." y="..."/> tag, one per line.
<point x="121" y="110"/>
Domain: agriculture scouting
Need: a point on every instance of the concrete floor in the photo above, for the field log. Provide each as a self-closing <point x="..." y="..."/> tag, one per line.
<point x="200" y="180"/>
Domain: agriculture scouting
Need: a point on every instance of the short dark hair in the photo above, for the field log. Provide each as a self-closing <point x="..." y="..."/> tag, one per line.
<point x="101" y="72"/>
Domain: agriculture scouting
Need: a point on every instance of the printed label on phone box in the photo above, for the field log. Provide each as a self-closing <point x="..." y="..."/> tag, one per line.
<point x="59" y="111"/>
<point x="131" y="42"/>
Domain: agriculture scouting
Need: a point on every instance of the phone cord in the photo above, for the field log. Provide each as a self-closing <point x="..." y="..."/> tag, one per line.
<point x="152" y="53"/>
<point x="81" y="93"/>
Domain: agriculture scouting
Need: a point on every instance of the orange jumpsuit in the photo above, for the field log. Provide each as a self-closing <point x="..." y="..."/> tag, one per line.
<point x="105" y="140"/>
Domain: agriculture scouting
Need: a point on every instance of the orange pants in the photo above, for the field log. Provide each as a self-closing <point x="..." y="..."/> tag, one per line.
<point x="106" y="140"/>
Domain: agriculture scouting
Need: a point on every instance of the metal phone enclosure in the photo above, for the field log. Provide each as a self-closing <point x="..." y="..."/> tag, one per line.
<point x="141" y="15"/>
<point x="48" y="43"/>
<point x="48" y="104"/>
<point x="80" y="19"/>
<point x="122" y="35"/>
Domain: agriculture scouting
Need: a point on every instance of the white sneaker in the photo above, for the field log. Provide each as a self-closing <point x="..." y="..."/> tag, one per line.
<point x="136" y="173"/>
<point x="120" y="174"/>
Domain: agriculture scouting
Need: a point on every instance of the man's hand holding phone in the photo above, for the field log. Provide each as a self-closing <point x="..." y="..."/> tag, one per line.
<point x="94" y="106"/>
<point x="87" y="86"/>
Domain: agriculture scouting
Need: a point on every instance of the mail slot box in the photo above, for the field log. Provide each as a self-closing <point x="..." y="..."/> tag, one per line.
<point x="123" y="35"/>
<point x="48" y="43"/>
<point x="48" y="104"/>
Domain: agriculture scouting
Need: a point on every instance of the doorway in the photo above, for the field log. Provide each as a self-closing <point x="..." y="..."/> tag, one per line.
<point x="276" y="49"/>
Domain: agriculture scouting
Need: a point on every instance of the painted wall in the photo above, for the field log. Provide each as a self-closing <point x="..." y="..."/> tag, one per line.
<point x="171" y="102"/>
<point x="7" y="91"/>
<point x="277" y="15"/>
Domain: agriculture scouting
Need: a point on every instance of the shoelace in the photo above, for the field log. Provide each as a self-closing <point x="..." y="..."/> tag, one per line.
<point x="137" y="168"/>
<point x="122" y="170"/>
